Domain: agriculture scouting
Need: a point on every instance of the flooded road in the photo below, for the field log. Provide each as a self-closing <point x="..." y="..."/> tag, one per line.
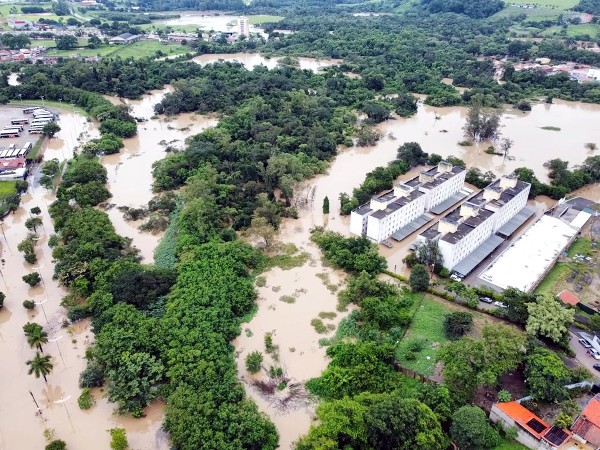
<point x="20" y="427"/>
<point x="251" y="60"/>
<point x="130" y="171"/>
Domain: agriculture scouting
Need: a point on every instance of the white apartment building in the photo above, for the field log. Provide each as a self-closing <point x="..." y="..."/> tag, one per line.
<point x="389" y="212"/>
<point x="393" y="210"/>
<point x="244" y="26"/>
<point x="470" y="225"/>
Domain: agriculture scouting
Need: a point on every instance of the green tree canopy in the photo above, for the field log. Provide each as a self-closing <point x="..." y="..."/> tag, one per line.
<point x="471" y="430"/>
<point x="549" y="318"/>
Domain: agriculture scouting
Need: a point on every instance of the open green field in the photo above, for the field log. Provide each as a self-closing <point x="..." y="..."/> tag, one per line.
<point x="591" y="29"/>
<point x="582" y="246"/>
<point x="6" y="7"/>
<point x="140" y="49"/>
<point x="545" y="10"/>
<point x="82" y="42"/>
<point x="559" y="273"/>
<point x="255" y="20"/>
<point x="509" y="445"/>
<point x="7" y="188"/>
<point x="427" y="327"/>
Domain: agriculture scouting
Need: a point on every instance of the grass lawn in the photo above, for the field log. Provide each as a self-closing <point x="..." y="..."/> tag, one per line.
<point x="7" y="188"/>
<point x="428" y="327"/>
<point x="140" y="49"/>
<point x="560" y="271"/>
<point x="509" y="445"/>
<point x="546" y="9"/>
<point x="6" y="7"/>
<point x="36" y="148"/>
<point x="50" y="43"/>
<point x="590" y="29"/>
<point x="582" y="246"/>
<point x="254" y="20"/>
<point x="559" y="4"/>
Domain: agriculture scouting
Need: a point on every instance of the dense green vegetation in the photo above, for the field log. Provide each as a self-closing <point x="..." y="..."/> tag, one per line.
<point x="166" y="330"/>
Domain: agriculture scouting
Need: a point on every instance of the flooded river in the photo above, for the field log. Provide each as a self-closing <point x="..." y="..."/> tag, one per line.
<point x="438" y="130"/>
<point x="251" y="60"/>
<point x="312" y="287"/>
<point x="130" y="171"/>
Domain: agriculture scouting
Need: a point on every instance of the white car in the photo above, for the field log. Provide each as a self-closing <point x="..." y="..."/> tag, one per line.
<point x="500" y="304"/>
<point x="594" y="353"/>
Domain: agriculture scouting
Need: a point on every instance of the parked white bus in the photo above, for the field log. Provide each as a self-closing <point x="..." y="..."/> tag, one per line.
<point x="15" y="127"/>
<point x="9" y="133"/>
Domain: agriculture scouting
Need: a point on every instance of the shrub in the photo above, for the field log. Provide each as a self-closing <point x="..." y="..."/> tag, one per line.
<point x="254" y="361"/>
<point x="118" y="439"/>
<point x="563" y="420"/>
<point x="56" y="445"/>
<point x="29" y="304"/>
<point x="92" y="376"/>
<point x="32" y="279"/>
<point x="319" y="326"/>
<point x="504" y="396"/>
<point x="86" y="400"/>
<point x="261" y="281"/>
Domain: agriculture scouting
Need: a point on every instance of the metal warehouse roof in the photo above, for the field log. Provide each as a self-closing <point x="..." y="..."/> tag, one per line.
<point x="411" y="227"/>
<point x="475" y="258"/>
<point x="519" y="219"/>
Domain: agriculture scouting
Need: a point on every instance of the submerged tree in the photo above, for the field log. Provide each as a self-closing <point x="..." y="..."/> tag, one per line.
<point x="40" y="365"/>
<point x="35" y="334"/>
<point x="482" y="125"/>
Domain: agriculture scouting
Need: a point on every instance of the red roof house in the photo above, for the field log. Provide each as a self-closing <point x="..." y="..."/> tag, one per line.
<point x="533" y="432"/>
<point x="587" y="424"/>
<point x="568" y="298"/>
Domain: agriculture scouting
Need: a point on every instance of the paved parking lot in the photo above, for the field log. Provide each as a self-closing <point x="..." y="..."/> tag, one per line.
<point x="8" y="112"/>
<point x="582" y="356"/>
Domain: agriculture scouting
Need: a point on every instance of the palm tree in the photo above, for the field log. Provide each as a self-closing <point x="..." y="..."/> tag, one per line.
<point x="36" y="336"/>
<point x="40" y="365"/>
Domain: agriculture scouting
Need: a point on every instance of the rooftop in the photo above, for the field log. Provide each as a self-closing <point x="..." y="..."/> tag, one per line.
<point x="468" y="225"/>
<point x="592" y="411"/>
<point x="568" y="298"/>
<point x="528" y="420"/>
<point x="528" y="258"/>
<point x="396" y="204"/>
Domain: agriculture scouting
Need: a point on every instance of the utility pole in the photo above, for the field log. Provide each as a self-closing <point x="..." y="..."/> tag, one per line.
<point x="39" y="410"/>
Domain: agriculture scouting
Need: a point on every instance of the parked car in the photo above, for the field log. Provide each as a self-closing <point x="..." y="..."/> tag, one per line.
<point x="594" y="353"/>
<point x="597" y="367"/>
<point x="585" y="343"/>
<point x="500" y="304"/>
<point x="455" y="277"/>
<point x="486" y="300"/>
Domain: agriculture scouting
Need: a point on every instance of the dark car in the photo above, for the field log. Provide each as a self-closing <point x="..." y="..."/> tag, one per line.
<point x="597" y="367"/>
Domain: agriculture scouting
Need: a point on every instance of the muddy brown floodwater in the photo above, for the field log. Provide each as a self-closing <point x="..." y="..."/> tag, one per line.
<point x="307" y="290"/>
<point x="250" y="60"/>
<point x="130" y="171"/>
<point x="438" y="130"/>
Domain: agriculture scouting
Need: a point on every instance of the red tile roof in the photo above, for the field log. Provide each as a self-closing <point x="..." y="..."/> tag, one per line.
<point x="522" y="416"/>
<point x="568" y="298"/>
<point x="588" y="424"/>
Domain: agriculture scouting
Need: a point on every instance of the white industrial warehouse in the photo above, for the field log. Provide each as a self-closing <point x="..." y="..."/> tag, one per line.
<point x="528" y="259"/>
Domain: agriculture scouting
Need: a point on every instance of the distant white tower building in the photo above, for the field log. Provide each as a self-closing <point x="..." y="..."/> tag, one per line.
<point x="244" y="26"/>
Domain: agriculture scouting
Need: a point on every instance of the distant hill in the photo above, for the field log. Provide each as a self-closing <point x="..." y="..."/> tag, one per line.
<point x="588" y="6"/>
<point x="477" y="9"/>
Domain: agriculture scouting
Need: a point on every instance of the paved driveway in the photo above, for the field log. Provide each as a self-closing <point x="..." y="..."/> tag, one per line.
<point x="582" y="356"/>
